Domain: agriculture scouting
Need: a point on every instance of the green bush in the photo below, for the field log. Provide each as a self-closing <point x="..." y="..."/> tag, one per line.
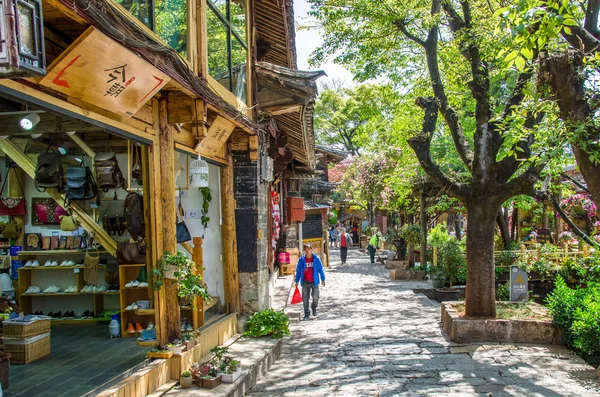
<point x="503" y="292"/>
<point x="267" y="323"/>
<point x="451" y="265"/>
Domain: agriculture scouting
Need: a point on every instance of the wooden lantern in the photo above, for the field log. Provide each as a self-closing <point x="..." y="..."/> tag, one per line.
<point x="21" y="39"/>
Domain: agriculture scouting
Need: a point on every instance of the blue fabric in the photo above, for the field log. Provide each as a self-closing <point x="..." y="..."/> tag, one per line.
<point x="318" y="273"/>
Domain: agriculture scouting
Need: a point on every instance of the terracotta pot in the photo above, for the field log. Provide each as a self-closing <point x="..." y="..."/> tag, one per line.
<point x="211" y="383"/>
<point x="447" y="294"/>
<point x="186" y="383"/>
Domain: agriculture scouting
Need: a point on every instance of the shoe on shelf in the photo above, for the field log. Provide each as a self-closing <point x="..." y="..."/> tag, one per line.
<point x="28" y="264"/>
<point x="63" y="264"/>
<point x="132" y="306"/>
<point x="143" y="284"/>
<point x="130" y="329"/>
<point x="134" y="284"/>
<point x="102" y="288"/>
<point x="30" y="289"/>
<point x="189" y="327"/>
<point x="138" y="327"/>
<point x="150" y="326"/>
<point x="49" y="290"/>
<point x="54" y="264"/>
<point x="69" y="263"/>
<point x="58" y="315"/>
<point x="50" y="314"/>
<point x="48" y="263"/>
<point x="35" y="264"/>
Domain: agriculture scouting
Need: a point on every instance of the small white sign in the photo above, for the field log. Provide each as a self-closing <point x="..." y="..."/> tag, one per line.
<point x="193" y="215"/>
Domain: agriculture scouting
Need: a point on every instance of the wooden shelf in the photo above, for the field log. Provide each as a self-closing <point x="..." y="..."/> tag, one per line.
<point x="146" y="343"/>
<point x="213" y="302"/>
<point x="144" y="312"/>
<point x="74" y="321"/>
<point x="57" y="252"/>
<point x="54" y="294"/>
<point x="41" y="267"/>
<point x="134" y="288"/>
<point x="133" y="265"/>
<point x="101" y="293"/>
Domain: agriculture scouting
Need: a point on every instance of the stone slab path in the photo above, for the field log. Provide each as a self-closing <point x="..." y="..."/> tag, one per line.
<point x="375" y="337"/>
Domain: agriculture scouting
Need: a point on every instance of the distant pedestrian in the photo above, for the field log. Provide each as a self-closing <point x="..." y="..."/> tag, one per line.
<point x="309" y="272"/>
<point x="344" y="242"/>
<point x="336" y="238"/>
<point x="372" y="247"/>
<point x="331" y="229"/>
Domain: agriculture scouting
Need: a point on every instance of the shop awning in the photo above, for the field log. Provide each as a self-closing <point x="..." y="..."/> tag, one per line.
<point x="311" y="205"/>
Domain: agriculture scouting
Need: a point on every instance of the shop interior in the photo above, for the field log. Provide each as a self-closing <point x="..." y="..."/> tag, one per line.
<point x="54" y="262"/>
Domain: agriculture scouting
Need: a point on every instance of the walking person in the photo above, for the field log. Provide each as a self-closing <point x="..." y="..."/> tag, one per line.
<point x="344" y="241"/>
<point x="309" y="272"/>
<point x="336" y="235"/>
<point x="372" y="247"/>
<point x="331" y="242"/>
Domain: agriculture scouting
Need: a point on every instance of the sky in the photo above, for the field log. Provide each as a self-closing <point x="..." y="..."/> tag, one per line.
<point x="308" y="40"/>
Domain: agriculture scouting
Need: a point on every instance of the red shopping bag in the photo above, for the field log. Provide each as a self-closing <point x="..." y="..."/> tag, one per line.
<point x="297" y="298"/>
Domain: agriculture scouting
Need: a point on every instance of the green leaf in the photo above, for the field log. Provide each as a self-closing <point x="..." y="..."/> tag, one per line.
<point x="520" y="63"/>
<point x="527" y="53"/>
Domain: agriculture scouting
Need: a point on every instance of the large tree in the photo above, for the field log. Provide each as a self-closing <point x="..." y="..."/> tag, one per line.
<point x="349" y="117"/>
<point x="452" y="43"/>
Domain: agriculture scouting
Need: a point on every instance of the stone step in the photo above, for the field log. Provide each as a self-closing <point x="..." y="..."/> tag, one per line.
<point x="256" y="356"/>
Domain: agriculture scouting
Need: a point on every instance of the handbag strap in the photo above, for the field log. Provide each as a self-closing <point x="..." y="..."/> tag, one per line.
<point x="180" y="211"/>
<point x="18" y="181"/>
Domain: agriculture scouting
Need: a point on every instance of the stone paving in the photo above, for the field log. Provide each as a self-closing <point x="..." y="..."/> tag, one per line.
<point x="375" y="337"/>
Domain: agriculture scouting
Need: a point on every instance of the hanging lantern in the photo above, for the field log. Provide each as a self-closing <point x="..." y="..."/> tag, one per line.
<point x="21" y="38"/>
<point x="199" y="173"/>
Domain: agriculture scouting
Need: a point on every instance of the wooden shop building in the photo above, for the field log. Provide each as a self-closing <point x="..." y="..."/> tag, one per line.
<point x="151" y="86"/>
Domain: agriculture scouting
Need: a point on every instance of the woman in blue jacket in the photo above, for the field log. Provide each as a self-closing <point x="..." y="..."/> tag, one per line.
<point x="309" y="272"/>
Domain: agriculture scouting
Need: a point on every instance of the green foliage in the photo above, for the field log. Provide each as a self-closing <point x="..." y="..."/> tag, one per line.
<point x="562" y="303"/>
<point x="206" y="199"/>
<point x="189" y="284"/>
<point x="186" y="374"/>
<point x="411" y="233"/>
<point x="503" y="292"/>
<point x="267" y="323"/>
<point x="451" y="265"/>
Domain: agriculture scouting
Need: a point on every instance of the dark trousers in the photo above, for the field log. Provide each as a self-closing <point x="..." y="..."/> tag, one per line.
<point x="371" y="250"/>
<point x="344" y="253"/>
<point x="309" y="289"/>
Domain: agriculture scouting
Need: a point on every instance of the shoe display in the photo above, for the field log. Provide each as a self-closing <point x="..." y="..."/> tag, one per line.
<point x="35" y="264"/>
<point x="132" y="306"/>
<point x="48" y="263"/>
<point x="32" y="289"/>
<point x="54" y="264"/>
<point x="28" y="264"/>
<point x="71" y="289"/>
<point x="102" y="288"/>
<point x="132" y="284"/>
<point x="58" y="315"/>
<point x="130" y="329"/>
<point x="150" y="326"/>
<point x="143" y="284"/>
<point x="138" y="327"/>
<point x="52" y="289"/>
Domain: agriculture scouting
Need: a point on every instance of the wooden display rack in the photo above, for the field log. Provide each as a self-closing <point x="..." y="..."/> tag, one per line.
<point x="127" y="273"/>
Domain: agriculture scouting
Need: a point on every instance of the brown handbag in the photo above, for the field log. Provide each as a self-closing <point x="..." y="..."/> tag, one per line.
<point x="11" y="230"/>
<point x="131" y="253"/>
<point x="90" y="267"/>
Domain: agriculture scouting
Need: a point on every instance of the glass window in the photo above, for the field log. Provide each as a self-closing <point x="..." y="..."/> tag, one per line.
<point x="227" y="44"/>
<point x="167" y="18"/>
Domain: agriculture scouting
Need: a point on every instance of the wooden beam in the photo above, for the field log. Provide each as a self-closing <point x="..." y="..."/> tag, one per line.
<point x="67" y="11"/>
<point x="88" y="150"/>
<point x="277" y="110"/>
<point x="202" y="32"/>
<point x="179" y="107"/>
<point x="169" y="218"/>
<point x="198" y="258"/>
<point x="230" y="259"/>
<point x="84" y="219"/>
<point x="199" y="119"/>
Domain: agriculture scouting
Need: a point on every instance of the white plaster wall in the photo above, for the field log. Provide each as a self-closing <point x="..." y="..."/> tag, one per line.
<point x="212" y="246"/>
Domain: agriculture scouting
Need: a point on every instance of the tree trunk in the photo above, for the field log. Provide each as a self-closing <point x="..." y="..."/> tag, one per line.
<point x="514" y="227"/>
<point x="503" y="225"/>
<point x="457" y="229"/>
<point x="423" y="219"/>
<point x="371" y="211"/>
<point x="480" y="298"/>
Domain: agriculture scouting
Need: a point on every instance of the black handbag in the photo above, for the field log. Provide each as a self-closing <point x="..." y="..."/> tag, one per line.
<point x="183" y="234"/>
<point x="80" y="184"/>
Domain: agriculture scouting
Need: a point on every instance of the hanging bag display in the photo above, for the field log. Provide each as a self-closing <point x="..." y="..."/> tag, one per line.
<point x="80" y="184"/>
<point x="68" y="223"/>
<point x="49" y="171"/>
<point x="136" y="164"/>
<point x="14" y="206"/>
<point x="131" y="253"/>
<point x="90" y="267"/>
<point x="12" y="229"/>
<point x="133" y="212"/>
<point x="183" y="234"/>
<point x="108" y="173"/>
<point x="46" y="212"/>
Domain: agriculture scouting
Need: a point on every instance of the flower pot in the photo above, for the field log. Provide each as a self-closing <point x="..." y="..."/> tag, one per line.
<point x="211" y="383"/>
<point x="163" y="355"/>
<point x="437" y="283"/>
<point x="447" y="294"/>
<point x="186" y="383"/>
<point x="188" y="345"/>
<point x="230" y="378"/>
<point x="177" y="350"/>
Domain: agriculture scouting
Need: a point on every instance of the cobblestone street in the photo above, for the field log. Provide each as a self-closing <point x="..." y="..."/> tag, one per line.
<point x="375" y="337"/>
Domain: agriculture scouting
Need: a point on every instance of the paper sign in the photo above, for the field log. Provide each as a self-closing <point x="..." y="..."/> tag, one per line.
<point x="518" y="284"/>
<point x="101" y="72"/>
<point x="217" y="135"/>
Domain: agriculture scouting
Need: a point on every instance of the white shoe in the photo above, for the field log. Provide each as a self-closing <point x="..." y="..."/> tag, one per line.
<point x="143" y="284"/>
<point x="30" y="289"/>
<point x="132" y="306"/>
<point x="135" y="283"/>
<point x="150" y="326"/>
<point x="48" y="264"/>
<point x="102" y="288"/>
<point x="54" y="264"/>
<point x="128" y="285"/>
<point x="70" y="263"/>
<point x="49" y="289"/>
<point x="35" y="264"/>
<point x="28" y="264"/>
<point x="64" y="263"/>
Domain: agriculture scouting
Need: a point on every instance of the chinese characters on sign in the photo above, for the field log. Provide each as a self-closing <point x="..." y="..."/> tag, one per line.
<point x="100" y="71"/>
<point x="518" y="284"/>
<point x="217" y="135"/>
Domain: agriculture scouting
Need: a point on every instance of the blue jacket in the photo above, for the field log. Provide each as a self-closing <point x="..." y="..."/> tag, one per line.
<point x="318" y="273"/>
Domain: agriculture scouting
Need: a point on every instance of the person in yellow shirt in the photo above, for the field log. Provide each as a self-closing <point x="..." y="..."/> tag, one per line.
<point x="372" y="247"/>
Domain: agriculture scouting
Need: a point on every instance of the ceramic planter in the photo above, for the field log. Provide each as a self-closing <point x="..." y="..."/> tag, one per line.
<point x="230" y="378"/>
<point x="211" y="383"/>
<point x="188" y="345"/>
<point x="176" y="350"/>
<point x="447" y="294"/>
<point x="186" y="383"/>
<point x="159" y="354"/>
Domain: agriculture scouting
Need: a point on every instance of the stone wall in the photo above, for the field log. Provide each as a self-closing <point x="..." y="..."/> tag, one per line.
<point x="251" y="216"/>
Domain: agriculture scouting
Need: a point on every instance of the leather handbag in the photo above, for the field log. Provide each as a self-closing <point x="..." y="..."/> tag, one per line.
<point x="108" y="172"/>
<point x="90" y="267"/>
<point x="80" y="184"/>
<point x="136" y="166"/>
<point x="14" y="206"/>
<point x="46" y="212"/>
<point x="12" y="229"/>
<point x="182" y="232"/>
<point x="68" y="223"/>
<point x="131" y="253"/>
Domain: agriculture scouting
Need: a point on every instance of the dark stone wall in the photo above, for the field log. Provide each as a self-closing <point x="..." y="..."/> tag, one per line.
<point x="312" y="227"/>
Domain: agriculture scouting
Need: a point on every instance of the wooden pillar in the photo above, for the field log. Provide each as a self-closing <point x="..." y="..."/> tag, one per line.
<point x="230" y="259"/>
<point x="168" y="216"/>
<point x="198" y="307"/>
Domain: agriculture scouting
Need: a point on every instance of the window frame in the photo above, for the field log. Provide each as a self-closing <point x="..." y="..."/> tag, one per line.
<point x="232" y="34"/>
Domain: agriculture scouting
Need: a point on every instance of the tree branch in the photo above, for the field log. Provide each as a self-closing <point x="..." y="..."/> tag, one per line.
<point x="401" y="25"/>
<point x="574" y="181"/>
<point x="591" y="18"/>
<point x="523" y="184"/>
<point x="578" y="232"/>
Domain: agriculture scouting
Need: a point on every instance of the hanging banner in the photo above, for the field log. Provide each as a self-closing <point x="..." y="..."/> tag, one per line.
<point x="103" y="73"/>
<point x="518" y="284"/>
<point x="215" y="139"/>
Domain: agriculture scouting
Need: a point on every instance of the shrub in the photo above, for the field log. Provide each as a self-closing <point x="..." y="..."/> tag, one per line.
<point x="451" y="265"/>
<point x="503" y="292"/>
<point x="267" y="323"/>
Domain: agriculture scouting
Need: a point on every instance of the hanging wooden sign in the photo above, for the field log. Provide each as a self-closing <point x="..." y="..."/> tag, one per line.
<point x="100" y="71"/>
<point x="215" y="139"/>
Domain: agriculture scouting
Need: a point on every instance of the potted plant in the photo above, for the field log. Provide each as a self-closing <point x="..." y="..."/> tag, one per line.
<point x="159" y="353"/>
<point x="267" y="323"/>
<point x="176" y="347"/>
<point x="450" y="264"/>
<point x="189" y="341"/>
<point x="229" y="369"/>
<point x="186" y="380"/>
<point x="210" y="375"/>
<point x="189" y="284"/>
